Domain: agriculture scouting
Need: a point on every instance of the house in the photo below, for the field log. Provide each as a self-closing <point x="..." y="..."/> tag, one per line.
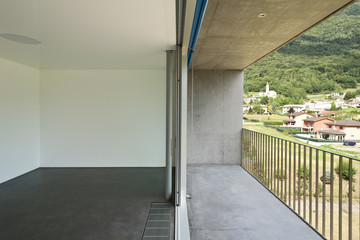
<point x="268" y="93"/>
<point x="349" y="128"/>
<point x="326" y="113"/>
<point x="331" y="134"/>
<point x="335" y="94"/>
<point x="317" y="106"/>
<point x="313" y="124"/>
<point x="296" y="108"/>
<point x="114" y="111"/>
<point x="297" y="119"/>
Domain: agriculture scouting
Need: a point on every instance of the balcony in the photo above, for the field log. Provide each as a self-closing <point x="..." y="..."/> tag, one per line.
<point x="321" y="187"/>
<point x="228" y="203"/>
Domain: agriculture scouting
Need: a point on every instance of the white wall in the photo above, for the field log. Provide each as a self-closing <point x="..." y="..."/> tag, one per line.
<point x="102" y="118"/>
<point x="19" y="118"/>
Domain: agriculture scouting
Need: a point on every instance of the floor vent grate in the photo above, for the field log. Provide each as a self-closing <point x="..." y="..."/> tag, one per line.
<point x="158" y="222"/>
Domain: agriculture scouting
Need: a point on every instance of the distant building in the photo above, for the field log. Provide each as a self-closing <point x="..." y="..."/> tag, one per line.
<point x="335" y="94"/>
<point x="314" y="124"/>
<point x="268" y="93"/>
<point x="318" y="106"/>
<point x="325" y="113"/>
<point x="296" y="119"/>
<point x="297" y="108"/>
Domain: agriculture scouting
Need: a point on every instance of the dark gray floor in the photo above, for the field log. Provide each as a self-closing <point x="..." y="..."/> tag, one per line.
<point x="79" y="203"/>
<point x="228" y="204"/>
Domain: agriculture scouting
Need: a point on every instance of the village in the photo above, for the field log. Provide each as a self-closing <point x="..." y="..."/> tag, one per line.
<point x="329" y="117"/>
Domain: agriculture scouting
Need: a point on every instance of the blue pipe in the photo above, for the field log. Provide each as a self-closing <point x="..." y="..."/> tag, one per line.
<point x="198" y="18"/>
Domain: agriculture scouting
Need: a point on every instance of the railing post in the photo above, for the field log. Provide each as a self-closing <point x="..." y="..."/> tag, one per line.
<point x="310" y="185"/>
<point x="340" y="198"/>
<point x="324" y="195"/>
<point x="317" y="190"/>
<point x="350" y="197"/>
<point x="304" y="182"/>
<point x="332" y="196"/>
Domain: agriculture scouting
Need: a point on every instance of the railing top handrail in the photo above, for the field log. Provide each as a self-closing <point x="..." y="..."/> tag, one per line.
<point x="340" y="155"/>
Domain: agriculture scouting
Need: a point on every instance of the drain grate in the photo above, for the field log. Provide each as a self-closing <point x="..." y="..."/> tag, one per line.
<point x="158" y="222"/>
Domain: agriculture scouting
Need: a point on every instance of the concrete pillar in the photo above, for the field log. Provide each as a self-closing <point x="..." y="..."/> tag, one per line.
<point x="215" y="102"/>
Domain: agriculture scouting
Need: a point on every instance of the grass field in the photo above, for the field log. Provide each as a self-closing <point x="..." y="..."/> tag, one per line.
<point x="277" y="118"/>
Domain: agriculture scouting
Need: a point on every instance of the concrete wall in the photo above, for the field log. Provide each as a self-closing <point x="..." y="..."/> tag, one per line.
<point x="102" y="118"/>
<point x="19" y="115"/>
<point x="215" y="100"/>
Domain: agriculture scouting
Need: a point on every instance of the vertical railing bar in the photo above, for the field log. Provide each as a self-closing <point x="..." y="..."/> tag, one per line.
<point x="350" y="197"/>
<point x="248" y="156"/>
<point x="254" y="155"/>
<point x="282" y="169"/>
<point x="264" y="161"/>
<point x="294" y="187"/>
<point x="245" y="142"/>
<point x="271" y="161"/>
<point x="304" y="187"/>
<point x="278" y="168"/>
<point x="310" y="184"/>
<point x="285" y="173"/>
<point x="257" y="155"/>
<point x="331" y="196"/>
<point x="290" y="174"/>
<point x="324" y="194"/>
<point x="317" y="191"/>
<point x="268" y="160"/>
<point x="263" y="157"/>
<point x="252" y="152"/>
<point x="299" y="179"/>
<point x="340" y="197"/>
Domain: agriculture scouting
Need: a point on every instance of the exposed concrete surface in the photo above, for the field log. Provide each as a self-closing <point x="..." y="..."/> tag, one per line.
<point x="79" y="203"/>
<point x="232" y="35"/>
<point x="227" y="203"/>
<point x="214" y="117"/>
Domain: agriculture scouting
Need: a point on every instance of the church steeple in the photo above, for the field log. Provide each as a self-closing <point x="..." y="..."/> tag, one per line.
<point x="267" y="87"/>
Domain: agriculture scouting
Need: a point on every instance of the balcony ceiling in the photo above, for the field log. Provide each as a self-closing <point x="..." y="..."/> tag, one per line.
<point x="89" y="34"/>
<point x="233" y="37"/>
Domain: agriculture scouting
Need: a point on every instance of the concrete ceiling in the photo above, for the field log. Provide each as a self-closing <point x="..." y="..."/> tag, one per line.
<point x="89" y="33"/>
<point x="233" y="37"/>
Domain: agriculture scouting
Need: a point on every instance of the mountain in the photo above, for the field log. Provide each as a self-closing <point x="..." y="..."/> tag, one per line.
<point x="324" y="59"/>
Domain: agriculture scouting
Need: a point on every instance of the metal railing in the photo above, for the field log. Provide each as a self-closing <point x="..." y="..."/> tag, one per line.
<point x="307" y="180"/>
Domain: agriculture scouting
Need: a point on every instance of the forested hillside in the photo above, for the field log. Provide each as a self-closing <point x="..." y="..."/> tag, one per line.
<point x="325" y="59"/>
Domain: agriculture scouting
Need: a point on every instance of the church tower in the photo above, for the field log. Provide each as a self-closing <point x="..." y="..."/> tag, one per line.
<point x="267" y="87"/>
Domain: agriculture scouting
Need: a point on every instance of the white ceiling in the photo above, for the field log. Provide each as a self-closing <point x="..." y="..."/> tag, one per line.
<point x="121" y="34"/>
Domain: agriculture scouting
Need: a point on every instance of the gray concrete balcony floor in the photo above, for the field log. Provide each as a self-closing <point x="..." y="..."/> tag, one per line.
<point x="228" y="203"/>
<point x="80" y="203"/>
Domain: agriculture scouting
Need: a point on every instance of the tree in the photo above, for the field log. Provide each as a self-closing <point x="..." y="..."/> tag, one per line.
<point x="274" y="107"/>
<point x="264" y="100"/>
<point x="258" y="109"/>
<point x="333" y="107"/>
<point x="291" y="111"/>
<point x="350" y="95"/>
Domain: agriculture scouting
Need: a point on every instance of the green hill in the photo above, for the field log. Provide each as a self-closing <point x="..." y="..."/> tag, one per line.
<point x="324" y="59"/>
